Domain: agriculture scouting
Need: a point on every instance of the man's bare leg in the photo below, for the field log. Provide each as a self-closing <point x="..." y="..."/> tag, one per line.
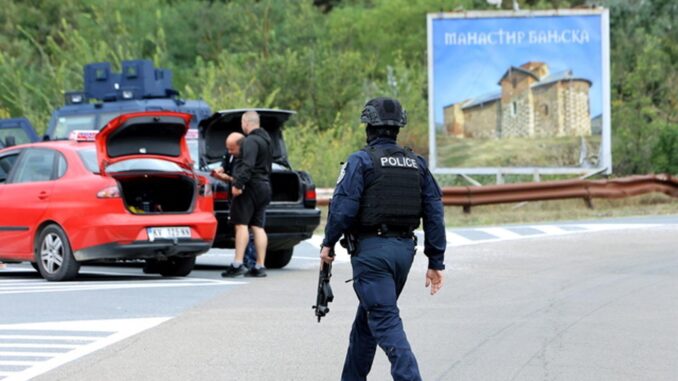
<point x="260" y="244"/>
<point x="242" y="237"/>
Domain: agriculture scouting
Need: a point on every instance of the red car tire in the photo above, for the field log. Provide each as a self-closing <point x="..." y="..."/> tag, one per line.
<point x="53" y="255"/>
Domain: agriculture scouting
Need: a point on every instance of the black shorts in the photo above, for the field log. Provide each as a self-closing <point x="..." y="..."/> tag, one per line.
<point x="250" y="207"/>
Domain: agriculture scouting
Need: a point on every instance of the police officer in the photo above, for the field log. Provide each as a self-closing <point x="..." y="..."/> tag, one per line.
<point x="382" y="193"/>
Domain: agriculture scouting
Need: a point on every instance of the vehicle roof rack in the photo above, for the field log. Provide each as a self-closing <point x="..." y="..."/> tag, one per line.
<point x="138" y="79"/>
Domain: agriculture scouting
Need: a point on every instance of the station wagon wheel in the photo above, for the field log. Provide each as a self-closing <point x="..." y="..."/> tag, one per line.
<point x="177" y="266"/>
<point x="277" y="259"/>
<point x="53" y="255"/>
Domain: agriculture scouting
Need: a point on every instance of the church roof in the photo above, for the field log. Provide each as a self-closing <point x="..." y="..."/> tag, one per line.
<point x="565" y="75"/>
<point x="477" y="101"/>
<point x="519" y="70"/>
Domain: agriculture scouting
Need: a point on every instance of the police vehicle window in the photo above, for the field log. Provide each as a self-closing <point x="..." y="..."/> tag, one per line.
<point x="89" y="158"/>
<point x="20" y="136"/>
<point x="6" y="164"/>
<point x="66" y="124"/>
<point x="106" y="117"/>
<point x="194" y="120"/>
<point x="35" y="165"/>
<point x="61" y="165"/>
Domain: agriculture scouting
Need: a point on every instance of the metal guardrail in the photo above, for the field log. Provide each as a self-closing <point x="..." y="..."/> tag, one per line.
<point x="468" y="196"/>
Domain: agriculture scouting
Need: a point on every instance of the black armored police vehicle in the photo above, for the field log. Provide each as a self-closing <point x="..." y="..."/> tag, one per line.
<point x="107" y="94"/>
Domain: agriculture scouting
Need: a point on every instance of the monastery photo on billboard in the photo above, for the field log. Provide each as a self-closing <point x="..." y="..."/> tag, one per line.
<point x="531" y="102"/>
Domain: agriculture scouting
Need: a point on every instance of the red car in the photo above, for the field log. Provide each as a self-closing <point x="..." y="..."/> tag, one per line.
<point x="130" y="192"/>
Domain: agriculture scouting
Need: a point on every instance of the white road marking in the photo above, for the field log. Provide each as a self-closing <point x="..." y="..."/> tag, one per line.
<point x="454" y="239"/>
<point x="23" y="281"/>
<point x="49" y="337"/>
<point x="114" y="330"/>
<point x="501" y="233"/>
<point x="30" y="354"/>
<point x="549" y="229"/>
<point x="219" y="255"/>
<point x="41" y="286"/>
<point x="24" y="345"/>
<point x="605" y="227"/>
<point x="457" y="238"/>
<point x="16" y="362"/>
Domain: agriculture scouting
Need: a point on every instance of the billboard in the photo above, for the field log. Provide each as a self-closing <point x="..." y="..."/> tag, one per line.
<point x="519" y="92"/>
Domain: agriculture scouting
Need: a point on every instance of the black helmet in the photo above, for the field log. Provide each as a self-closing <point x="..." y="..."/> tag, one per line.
<point x="384" y="111"/>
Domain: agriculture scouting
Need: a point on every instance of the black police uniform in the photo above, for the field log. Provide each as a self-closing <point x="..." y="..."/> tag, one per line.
<point x="382" y="193"/>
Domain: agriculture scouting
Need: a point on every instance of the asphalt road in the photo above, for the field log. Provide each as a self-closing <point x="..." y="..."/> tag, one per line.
<point x="583" y="304"/>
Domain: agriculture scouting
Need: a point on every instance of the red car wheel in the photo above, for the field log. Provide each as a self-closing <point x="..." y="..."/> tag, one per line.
<point x="53" y="255"/>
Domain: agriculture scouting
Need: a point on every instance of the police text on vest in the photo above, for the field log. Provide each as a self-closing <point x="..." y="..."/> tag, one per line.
<point x="403" y="162"/>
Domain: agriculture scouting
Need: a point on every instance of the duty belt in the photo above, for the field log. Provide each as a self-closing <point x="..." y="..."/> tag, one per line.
<point x="385" y="231"/>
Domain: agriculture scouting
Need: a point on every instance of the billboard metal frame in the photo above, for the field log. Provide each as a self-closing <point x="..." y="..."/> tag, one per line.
<point x="606" y="150"/>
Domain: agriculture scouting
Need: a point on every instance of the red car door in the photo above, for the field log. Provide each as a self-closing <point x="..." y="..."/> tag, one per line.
<point x="25" y="198"/>
<point x="8" y="158"/>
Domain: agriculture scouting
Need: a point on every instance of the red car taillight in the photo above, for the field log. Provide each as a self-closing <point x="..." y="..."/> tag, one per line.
<point x="109" y="192"/>
<point x="221" y="195"/>
<point x="310" y="197"/>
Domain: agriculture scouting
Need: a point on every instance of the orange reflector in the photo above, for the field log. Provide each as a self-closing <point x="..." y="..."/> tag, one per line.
<point x="221" y="195"/>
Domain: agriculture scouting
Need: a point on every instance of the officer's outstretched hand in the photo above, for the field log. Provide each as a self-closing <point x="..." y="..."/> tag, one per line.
<point x="325" y="255"/>
<point x="434" y="278"/>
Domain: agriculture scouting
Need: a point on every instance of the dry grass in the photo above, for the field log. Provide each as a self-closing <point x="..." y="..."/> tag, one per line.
<point x="558" y="210"/>
<point x="515" y="152"/>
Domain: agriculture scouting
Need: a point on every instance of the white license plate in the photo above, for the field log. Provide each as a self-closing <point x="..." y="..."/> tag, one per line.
<point x="168" y="232"/>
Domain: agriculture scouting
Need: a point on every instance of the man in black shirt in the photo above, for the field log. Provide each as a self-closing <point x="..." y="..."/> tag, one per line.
<point x="251" y="190"/>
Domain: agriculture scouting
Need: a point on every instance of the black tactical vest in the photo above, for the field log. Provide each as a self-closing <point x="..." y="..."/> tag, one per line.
<point x="392" y="194"/>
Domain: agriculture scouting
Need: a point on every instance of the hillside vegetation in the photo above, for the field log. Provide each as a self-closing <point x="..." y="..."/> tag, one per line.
<point x="321" y="58"/>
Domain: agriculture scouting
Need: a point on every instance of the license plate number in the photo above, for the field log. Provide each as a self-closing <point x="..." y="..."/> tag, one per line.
<point x="168" y="232"/>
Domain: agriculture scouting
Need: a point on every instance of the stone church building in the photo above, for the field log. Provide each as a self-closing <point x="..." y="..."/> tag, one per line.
<point x="532" y="103"/>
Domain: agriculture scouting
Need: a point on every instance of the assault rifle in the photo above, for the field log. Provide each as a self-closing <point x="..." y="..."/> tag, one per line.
<point x="325" y="294"/>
